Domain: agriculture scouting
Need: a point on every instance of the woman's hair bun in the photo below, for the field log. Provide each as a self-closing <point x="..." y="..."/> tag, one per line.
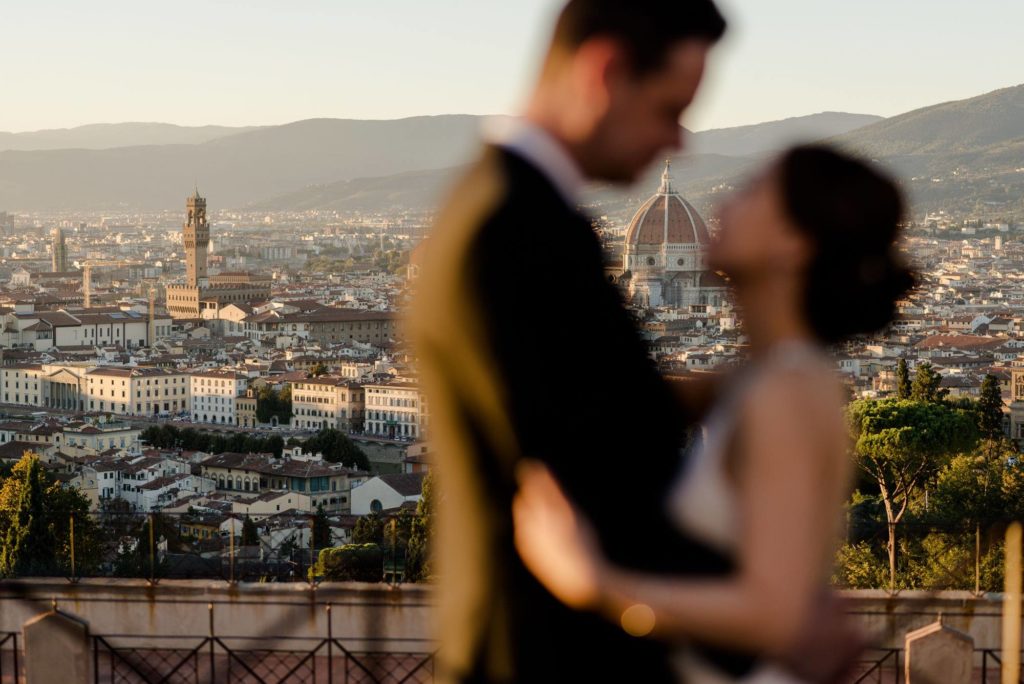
<point x="852" y="212"/>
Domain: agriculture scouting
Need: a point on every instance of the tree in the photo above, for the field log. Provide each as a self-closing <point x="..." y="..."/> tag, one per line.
<point x="984" y="487"/>
<point x="903" y="387"/>
<point x="63" y="504"/>
<point x="369" y="529"/>
<point x="270" y="403"/>
<point x="900" y="444"/>
<point x="319" y="368"/>
<point x="274" y="445"/>
<point x="337" y="448"/>
<point x="417" y="565"/>
<point x="27" y="545"/>
<point x="250" y="535"/>
<point x="136" y="557"/>
<point x="168" y="437"/>
<point x="927" y="384"/>
<point x="990" y="408"/>
<point x="321" y="529"/>
<point x="351" y="563"/>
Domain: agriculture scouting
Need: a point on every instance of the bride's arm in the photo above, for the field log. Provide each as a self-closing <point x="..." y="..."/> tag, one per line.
<point x="788" y="488"/>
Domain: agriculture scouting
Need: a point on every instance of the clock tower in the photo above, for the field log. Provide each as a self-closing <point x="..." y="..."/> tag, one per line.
<point x="196" y="238"/>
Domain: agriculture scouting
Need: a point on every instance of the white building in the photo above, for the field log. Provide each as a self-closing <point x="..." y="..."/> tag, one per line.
<point x="214" y="396"/>
<point x="395" y="410"/>
<point x="386" y="492"/>
<point x="42" y="330"/>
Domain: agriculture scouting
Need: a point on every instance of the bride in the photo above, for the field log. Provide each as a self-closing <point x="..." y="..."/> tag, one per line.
<point x="809" y="247"/>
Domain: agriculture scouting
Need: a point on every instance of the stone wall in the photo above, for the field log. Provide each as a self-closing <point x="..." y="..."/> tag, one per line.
<point x="389" y="618"/>
<point x="359" y="613"/>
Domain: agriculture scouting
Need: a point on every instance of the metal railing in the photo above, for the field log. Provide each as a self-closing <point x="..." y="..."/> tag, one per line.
<point x="263" y="659"/>
<point x="10" y="659"/>
<point x="880" y="665"/>
<point x="886" y="665"/>
<point x="259" y="660"/>
<point x="292" y="649"/>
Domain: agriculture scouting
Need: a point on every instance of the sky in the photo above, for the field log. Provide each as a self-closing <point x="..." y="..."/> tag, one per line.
<point x="254" y="62"/>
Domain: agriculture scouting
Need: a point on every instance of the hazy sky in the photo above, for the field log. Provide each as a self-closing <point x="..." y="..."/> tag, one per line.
<point x="236" y="62"/>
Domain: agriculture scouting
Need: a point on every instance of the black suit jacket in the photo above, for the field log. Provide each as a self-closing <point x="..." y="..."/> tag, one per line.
<point x="525" y="349"/>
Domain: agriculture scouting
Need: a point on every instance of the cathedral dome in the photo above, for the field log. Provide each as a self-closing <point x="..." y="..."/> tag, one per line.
<point x="667" y="219"/>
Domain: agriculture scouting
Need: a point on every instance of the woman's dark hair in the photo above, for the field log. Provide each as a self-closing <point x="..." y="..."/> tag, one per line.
<point x="647" y="29"/>
<point x="852" y="213"/>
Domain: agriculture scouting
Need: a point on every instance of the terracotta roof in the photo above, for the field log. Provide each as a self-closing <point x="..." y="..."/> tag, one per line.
<point x="667" y="218"/>
<point x="13" y="451"/>
<point x="406" y="484"/>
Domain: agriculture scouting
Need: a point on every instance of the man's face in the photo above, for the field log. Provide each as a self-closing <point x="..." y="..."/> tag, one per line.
<point x="641" y="122"/>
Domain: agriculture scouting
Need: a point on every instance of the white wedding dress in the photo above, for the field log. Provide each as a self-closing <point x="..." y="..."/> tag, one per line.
<point x="703" y="502"/>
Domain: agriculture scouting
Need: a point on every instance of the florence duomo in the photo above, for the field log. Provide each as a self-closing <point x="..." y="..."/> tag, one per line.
<point x="665" y="256"/>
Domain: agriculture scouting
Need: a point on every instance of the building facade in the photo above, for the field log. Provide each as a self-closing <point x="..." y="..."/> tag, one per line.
<point x="328" y="402"/>
<point x="214" y="396"/>
<point x="136" y="391"/>
<point x="395" y="410"/>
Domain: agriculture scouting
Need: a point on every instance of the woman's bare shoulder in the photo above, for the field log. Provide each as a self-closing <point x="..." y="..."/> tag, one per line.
<point x="801" y="403"/>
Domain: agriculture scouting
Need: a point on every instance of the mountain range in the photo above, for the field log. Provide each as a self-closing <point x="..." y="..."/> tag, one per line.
<point x="103" y="136"/>
<point x="967" y="151"/>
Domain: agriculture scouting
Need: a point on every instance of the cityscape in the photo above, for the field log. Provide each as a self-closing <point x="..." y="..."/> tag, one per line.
<point x="217" y="453"/>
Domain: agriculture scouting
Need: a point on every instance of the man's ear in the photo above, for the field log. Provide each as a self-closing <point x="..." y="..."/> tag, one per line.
<point x="598" y="66"/>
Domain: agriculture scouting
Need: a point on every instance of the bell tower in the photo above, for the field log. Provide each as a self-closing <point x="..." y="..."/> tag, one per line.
<point x="196" y="238"/>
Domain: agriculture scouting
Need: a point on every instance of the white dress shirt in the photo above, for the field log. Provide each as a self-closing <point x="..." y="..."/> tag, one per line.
<point x="539" y="148"/>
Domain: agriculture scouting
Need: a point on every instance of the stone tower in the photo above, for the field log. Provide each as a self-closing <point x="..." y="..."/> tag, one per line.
<point x="196" y="234"/>
<point x="60" y="251"/>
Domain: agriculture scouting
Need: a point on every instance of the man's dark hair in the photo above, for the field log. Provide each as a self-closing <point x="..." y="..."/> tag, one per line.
<point x="646" y="29"/>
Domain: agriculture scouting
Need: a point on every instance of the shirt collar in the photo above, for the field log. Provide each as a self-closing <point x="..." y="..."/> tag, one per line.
<point x="542" y="150"/>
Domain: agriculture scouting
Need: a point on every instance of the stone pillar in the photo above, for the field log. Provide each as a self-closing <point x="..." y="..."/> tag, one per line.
<point x="57" y="649"/>
<point x="938" y="654"/>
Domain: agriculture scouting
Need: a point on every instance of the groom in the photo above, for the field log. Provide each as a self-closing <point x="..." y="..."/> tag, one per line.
<point x="525" y="349"/>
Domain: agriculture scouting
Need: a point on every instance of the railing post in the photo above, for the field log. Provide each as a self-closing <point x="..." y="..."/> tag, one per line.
<point x="892" y="558"/>
<point x="394" y="551"/>
<point x="330" y="646"/>
<point x="231" y="553"/>
<point x="71" y="528"/>
<point x="213" y="659"/>
<point x="977" y="559"/>
<point x="152" y="550"/>
<point x="1012" y="607"/>
<point x="312" y="550"/>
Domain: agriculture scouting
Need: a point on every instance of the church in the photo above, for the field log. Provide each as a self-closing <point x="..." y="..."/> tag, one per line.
<point x="664" y="260"/>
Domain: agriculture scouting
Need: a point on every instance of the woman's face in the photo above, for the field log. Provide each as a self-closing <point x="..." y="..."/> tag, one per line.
<point x="756" y="237"/>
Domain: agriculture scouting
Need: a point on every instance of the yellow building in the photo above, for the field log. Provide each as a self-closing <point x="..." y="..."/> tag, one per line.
<point x="136" y="391"/>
